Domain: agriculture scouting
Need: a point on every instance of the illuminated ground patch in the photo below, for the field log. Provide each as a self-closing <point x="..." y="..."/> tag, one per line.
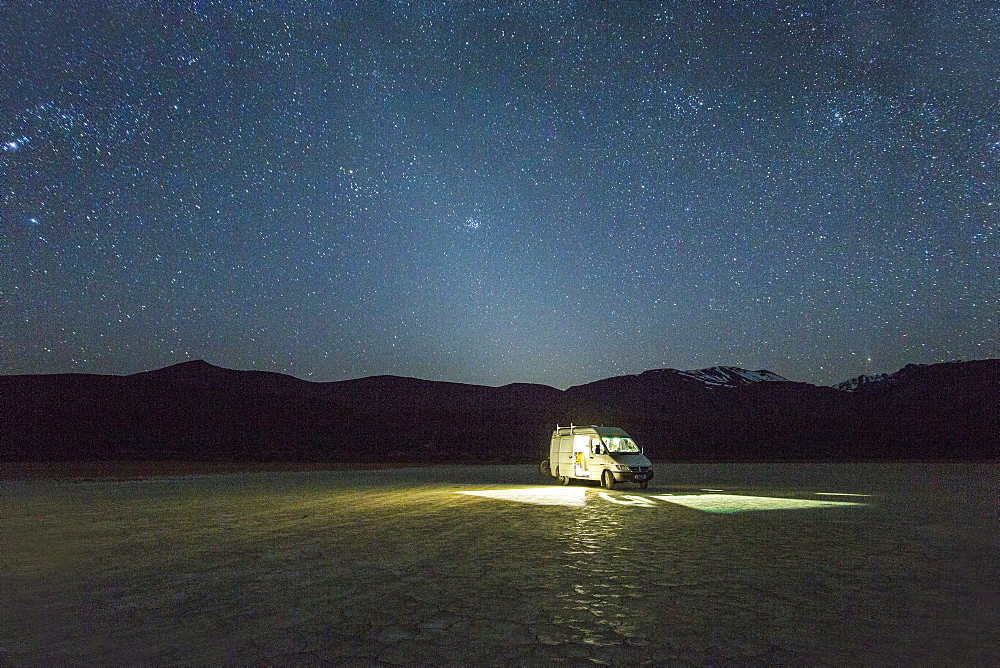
<point x="542" y="496"/>
<point x="733" y="503"/>
<point x="709" y="503"/>
<point x="627" y="499"/>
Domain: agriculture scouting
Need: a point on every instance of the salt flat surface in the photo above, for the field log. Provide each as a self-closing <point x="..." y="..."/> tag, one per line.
<point x="721" y="564"/>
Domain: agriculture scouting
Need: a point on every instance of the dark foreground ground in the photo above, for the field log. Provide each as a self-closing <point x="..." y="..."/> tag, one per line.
<point x="720" y="564"/>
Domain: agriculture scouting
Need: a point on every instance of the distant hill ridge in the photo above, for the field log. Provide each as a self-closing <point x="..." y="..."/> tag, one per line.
<point x="196" y="410"/>
<point x="716" y="376"/>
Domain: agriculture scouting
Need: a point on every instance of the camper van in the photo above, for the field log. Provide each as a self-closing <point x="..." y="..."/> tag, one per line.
<point x="606" y="454"/>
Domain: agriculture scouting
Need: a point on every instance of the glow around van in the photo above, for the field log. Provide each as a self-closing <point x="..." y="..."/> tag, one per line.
<point x="607" y="454"/>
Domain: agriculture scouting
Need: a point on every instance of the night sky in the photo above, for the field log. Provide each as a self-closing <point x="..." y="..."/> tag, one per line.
<point x="496" y="192"/>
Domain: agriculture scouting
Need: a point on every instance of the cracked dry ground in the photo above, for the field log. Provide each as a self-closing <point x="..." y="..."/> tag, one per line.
<point x="396" y="567"/>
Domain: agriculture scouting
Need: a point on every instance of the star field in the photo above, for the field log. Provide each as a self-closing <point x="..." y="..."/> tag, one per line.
<point x="549" y="191"/>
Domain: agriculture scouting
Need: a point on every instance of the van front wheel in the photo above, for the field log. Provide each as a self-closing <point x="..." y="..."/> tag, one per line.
<point x="607" y="480"/>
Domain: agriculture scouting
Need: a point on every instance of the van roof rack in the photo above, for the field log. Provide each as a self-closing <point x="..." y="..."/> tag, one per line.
<point x="572" y="426"/>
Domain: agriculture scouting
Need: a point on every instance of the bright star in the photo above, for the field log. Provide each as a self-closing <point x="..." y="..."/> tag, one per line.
<point x="14" y="144"/>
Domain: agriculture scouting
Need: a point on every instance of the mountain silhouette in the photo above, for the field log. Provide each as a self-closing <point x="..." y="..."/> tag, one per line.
<point x="198" y="411"/>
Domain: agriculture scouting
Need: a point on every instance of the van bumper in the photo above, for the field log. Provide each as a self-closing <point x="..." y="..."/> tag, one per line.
<point x="633" y="476"/>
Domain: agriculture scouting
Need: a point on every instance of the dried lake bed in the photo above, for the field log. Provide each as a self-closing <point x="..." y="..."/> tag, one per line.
<point x="713" y="564"/>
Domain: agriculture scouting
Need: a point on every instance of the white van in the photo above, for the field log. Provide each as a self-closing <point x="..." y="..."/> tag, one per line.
<point x="607" y="454"/>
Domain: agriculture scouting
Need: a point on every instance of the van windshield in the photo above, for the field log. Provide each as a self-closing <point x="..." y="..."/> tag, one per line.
<point x="620" y="444"/>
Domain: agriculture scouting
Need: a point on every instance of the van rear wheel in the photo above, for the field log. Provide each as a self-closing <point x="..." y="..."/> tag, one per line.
<point x="563" y="480"/>
<point x="544" y="469"/>
<point x="607" y="480"/>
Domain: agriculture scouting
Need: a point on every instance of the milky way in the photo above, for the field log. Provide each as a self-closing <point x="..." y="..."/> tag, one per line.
<point x="493" y="192"/>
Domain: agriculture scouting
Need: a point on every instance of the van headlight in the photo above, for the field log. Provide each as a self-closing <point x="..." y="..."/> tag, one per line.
<point x="622" y="467"/>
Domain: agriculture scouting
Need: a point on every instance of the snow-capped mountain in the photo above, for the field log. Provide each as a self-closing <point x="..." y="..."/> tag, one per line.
<point x="663" y="386"/>
<point x="908" y="373"/>
<point x="860" y="381"/>
<point x="731" y="376"/>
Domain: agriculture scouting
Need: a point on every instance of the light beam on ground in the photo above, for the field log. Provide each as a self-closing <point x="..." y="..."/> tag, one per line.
<point x="542" y="496"/>
<point x="733" y="503"/>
